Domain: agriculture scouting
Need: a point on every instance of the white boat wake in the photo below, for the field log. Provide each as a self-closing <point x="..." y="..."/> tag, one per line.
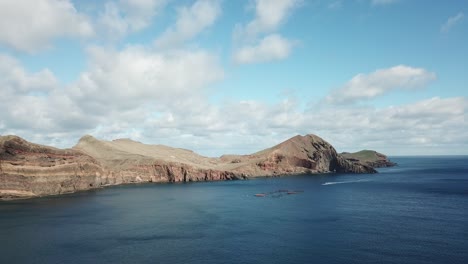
<point x="343" y="182"/>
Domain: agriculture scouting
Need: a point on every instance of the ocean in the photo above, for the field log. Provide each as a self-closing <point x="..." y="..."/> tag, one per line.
<point x="416" y="212"/>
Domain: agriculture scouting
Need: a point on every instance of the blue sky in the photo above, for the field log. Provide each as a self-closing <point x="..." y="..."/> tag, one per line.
<point x="237" y="76"/>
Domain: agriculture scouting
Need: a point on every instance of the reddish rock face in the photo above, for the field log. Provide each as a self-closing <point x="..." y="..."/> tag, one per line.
<point x="176" y="172"/>
<point x="304" y="154"/>
<point x="28" y="169"/>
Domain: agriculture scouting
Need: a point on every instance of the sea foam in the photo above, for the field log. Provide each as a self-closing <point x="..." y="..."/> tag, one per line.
<point x="343" y="182"/>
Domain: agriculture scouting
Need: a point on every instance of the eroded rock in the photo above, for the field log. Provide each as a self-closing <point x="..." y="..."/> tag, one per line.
<point x="28" y="169"/>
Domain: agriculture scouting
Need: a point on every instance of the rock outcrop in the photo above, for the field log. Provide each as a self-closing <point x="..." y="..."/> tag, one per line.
<point x="371" y="158"/>
<point x="28" y="170"/>
<point x="300" y="154"/>
<point x="128" y="161"/>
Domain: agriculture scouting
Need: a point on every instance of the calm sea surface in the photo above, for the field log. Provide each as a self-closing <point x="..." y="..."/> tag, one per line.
<point x="414" y="213"/>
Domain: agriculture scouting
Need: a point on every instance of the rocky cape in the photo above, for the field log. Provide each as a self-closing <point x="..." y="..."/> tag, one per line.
<point x="369" y="157"/>
<point x="32" y="170"/>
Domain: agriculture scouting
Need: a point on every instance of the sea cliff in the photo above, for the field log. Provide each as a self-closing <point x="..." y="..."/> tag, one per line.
<point x="31" y="170"/>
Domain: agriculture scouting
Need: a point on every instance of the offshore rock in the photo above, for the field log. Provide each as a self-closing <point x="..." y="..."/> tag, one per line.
<point x="371" y="158"/>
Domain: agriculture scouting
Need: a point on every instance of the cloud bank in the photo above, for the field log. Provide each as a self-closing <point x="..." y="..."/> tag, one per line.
<point x="163" y="92"/>
<point x="380" y="82"/>
<point x="32" y="28"/>
<point x="257" y="42"/>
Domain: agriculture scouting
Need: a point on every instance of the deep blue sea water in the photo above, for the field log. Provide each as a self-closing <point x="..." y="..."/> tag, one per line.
<point x="416" y="212"/>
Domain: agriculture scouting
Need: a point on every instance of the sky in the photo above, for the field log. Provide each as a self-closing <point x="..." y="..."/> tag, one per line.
<point x="238" y="76"/>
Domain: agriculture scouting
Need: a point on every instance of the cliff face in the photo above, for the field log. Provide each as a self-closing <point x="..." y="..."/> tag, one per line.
<point x="128" y="161"/>
<point x="300" y="154"/>
<point x="371" y="158"/>
<point x="28" y="169"/>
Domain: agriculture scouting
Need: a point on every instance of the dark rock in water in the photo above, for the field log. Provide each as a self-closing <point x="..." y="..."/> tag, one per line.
<point x="278" y="193"/>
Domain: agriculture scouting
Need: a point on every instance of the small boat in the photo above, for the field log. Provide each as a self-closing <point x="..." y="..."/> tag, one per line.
<point x="260" y="195"/>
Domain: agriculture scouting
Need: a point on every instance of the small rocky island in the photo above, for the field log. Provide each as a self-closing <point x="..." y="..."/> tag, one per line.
<point x="369" y="157"/>
<point x="32" y="170"/>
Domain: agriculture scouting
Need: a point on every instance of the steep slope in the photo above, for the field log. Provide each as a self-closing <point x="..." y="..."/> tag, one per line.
<point x="371" y="158"/>
<point x="300" y="154"/>
<point x="130" y="161"/>
<point x="28" y="169"/>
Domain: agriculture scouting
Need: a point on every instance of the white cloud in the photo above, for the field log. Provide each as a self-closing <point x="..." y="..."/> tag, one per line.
<point x="190" y="22"/>
<point x="140" y="12"/>
<point x="254" y="46"/>
<point x="451" y="22"/>
<point x="272" y="47"/>
<point x="270" y="14"/>
<point x="431" y="108"/>
<point x="136" y="76"/>
<point x="431" y="126"/>
<point x="16" y="80"/>
<point x="32" y="25"/>
<point x="126" y="16"/>
<point x="162" y="98"/>
<point x="119" y="93"/>
<point x="34" y="101"/>
<point x="368" y="86"/>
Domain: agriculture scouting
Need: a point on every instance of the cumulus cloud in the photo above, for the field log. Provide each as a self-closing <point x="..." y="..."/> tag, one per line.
<point x="367" y="86"/>
<point x="117" y="94"/>
<point x="140" y="12"/>
<point x="190" y="22"/>
<point x="430" y="126"/>
<point x="269" y="15"/>
<point x="435" y="108"/>
<point x="254" y="46"/>
<point x="451" y="22"/>
<point x="32" y="25"/>
<point x="272" y="47"/>
<point x="162" y="96"/>
<point x="34" y="101"/>
<point x="136" y="76"/>
<point x="15" y="79"/>
<point x="126" y="16"/>
<point x="129" y="93"/>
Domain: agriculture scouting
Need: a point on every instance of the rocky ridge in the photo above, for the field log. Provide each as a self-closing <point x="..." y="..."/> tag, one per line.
<point x="30" y="170"/>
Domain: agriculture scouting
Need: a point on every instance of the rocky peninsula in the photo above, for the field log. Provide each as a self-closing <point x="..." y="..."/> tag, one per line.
<point x="369" y="157"/>
<point x="32" y="170"/>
